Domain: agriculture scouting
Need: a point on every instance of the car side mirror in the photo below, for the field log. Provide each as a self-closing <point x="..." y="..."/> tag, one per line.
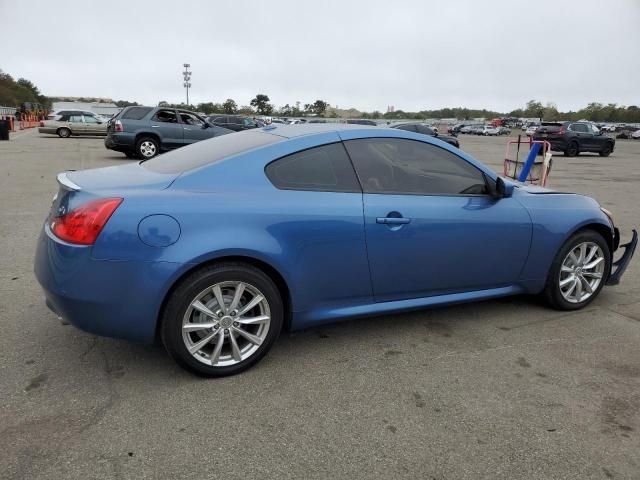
<point x="206" y="125"/>
<point x="503" y="189"/>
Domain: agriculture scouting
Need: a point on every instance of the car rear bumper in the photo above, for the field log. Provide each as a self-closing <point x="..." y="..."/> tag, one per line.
<point x="120" y="299"/>
<point x="622" y="263"/>
<point x="121" y="142"/>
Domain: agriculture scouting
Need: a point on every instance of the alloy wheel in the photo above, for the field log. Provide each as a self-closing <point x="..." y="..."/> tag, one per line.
<point x="226" y="323"/>
<point x="581" y="272"/>
<point x="147" y="149"/>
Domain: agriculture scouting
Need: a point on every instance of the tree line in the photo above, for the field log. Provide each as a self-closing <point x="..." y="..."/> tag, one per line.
<point x="14" y="93"/>
<point x="260" y="104"/>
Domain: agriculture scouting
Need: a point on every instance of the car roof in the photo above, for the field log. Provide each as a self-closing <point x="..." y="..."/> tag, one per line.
<point x="300" y="129"/>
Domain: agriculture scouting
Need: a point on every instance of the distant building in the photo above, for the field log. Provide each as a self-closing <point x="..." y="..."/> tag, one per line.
<point x="105" y="109"/>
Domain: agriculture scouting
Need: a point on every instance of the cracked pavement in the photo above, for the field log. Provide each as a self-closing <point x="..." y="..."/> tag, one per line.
<point x="500" y="389"/>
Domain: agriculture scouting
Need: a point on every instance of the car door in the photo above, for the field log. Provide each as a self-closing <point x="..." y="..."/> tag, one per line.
<point x="321" y="229"/>
<point x="431" y="227"/>
<point x="598" y="138"/>
<point x="165" y="123"/>
<point x="582" y="135"/>
<point x="76" y="124"/>
<point x="91" y="125"/>
<point x="194" y="129"/>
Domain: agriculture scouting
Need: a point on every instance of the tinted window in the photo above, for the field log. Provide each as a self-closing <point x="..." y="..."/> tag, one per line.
<point x="190" y="119"/>
<point x="219" y="120"/>
<point x="579" y="127"/>
<point x="424" y="129"/>
<point x="408" y="128"/>
<point x="64" y="118"/>
<point x="209" y="151"/>
<point x="387" y="165"/>
<point x="165" y="116"/>
<point x="136" y="113"/>
<point x="326" y="169"/>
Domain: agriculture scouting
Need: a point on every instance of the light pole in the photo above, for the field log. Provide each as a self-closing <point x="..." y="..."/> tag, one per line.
<point x="187" y="79"/>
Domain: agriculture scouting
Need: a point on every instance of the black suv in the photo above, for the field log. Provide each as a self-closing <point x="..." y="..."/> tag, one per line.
<point x="236" y="123"/>
<point x="144" y="132"/>
<point x="425" y="129"/>
<point x="572" y="138"/>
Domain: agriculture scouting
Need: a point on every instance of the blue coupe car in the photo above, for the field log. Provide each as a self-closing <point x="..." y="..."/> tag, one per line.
<point x="217" y="247"/>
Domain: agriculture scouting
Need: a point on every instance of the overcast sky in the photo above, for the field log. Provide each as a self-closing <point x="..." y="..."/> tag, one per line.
<point x="366" y="54"/>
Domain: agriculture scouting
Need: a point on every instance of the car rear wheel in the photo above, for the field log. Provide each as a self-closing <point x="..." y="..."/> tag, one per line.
<point x="222" y="319"/>
<point x="578" y="272"/>
<point x="64" y="132"/>
<point x="572" y="149"/>
<point x="147" y="148"/>
<point x="606" y="150"/>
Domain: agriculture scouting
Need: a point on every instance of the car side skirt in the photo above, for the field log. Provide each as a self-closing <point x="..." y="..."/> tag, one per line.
<point x="321" y="316"/>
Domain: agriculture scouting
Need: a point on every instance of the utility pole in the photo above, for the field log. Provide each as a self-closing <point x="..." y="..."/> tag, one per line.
<point x="187" y="79"/>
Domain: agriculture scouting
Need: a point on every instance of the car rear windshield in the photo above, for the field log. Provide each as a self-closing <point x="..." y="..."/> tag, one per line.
<point x="209" y="151"/>
<point x="135" y="113"/>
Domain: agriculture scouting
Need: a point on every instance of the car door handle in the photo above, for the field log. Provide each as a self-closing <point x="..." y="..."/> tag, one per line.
<point x="155" y="126"/>
<point x="185" y="128"/>
<point x="393" y="220"/>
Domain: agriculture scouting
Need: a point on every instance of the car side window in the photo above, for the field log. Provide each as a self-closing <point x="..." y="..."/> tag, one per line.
<point x="402" y="166"/>
<point x="324" y="169"/>
<point x="248" y="122"/>
<point x="165" y="116"/>
<point x="190" y="119"/>
<point x="75" y="118"/>
<point x="425" y="130"/>
<point x="409" y="128"/>
<point x="64" y="118"/>
<point x="579" y="127"/>
<point x="90" y="119"/>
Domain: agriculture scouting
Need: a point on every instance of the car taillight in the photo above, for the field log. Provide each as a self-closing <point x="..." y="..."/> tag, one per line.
<point x="83" y="225"/>
<point x="118" y="127"/>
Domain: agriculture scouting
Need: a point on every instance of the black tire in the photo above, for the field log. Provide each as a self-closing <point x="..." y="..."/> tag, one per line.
<point x="64" y="132"/>
<point x="572" y="150"/>
<point x="188" y="290"/>
<point x="147" y="147"/>
<point x="131" y="155"/>
<point x="551" y="293"/>
<point x="606" y="150"/>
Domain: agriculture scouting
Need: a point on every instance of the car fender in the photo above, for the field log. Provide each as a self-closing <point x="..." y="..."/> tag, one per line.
<point x="555" y="218"/>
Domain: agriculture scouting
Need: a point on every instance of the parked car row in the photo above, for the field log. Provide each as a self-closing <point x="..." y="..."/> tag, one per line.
<point x="486" y="130"/>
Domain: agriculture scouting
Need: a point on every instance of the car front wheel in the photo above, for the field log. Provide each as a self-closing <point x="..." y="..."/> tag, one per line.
<point x="606" y="150"/>
<point x="222" y="319"/>
<point x="579" y="271"/>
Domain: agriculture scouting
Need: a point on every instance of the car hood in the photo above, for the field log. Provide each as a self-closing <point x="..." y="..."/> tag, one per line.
<point x="129" y="176"/>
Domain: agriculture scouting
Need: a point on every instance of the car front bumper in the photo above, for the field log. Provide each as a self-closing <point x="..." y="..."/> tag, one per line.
<point x="48" y="130"/>
<point x="622" y="263"/>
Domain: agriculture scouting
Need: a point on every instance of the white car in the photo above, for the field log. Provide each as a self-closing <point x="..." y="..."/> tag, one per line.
<point x="531" y="130"/>
<point x="636" y="134"/>
<point x="487" y="130"/>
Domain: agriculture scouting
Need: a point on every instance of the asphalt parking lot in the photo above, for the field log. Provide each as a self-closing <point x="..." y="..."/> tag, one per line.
<point x="502" y="389"/>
